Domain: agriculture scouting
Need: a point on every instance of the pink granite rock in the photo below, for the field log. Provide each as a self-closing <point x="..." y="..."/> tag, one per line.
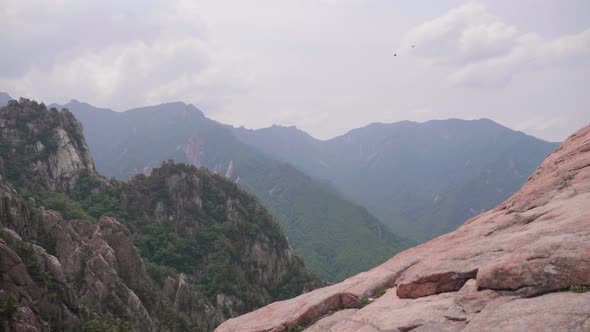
<point x="479" y="277"/>
<point x="434" y="284"/>
<point x="564" y="311"/>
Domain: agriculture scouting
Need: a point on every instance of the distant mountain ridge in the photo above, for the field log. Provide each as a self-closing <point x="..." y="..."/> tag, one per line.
<point x="420" y="179"/>
<point x="336" y="237"/>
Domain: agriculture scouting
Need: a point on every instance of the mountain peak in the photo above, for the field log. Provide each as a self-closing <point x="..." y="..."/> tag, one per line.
<point x="169" y="108"/>
<point x="4" y="98"/>
<point x="43" y="148"/>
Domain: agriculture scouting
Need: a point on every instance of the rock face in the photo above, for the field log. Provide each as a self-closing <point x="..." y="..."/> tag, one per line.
<point x="92" y="266"/>
<point x="514" y="268"/>
<point x="179" y="250"/>
<point x="42" y="149"/>
<point x="230" y="253"/>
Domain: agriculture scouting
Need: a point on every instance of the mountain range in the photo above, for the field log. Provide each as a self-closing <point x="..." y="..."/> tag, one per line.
<point x="173" y="241"/>
<point x="416" y="180"/>
<point x="182" y="249"/>
<point x="335" y="236"/>
<point x="420" y="179"/>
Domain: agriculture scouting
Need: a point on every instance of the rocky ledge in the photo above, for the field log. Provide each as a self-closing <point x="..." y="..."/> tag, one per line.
<point x="524" y="265"/>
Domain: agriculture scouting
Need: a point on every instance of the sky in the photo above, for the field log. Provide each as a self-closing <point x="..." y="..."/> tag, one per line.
<point x="325" y="66"/>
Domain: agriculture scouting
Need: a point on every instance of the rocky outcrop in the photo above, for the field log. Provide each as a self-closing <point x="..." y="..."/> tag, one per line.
<point x="95" y="266"/>
<point x="522" y="266"/>
<point x="434" y="284"/>
<point x="42" y="149"/>
<point x="68" y="252"/>
<point x="114" y="272"/>
<point x="239" y="259"/>
<point x="17" y="293"/>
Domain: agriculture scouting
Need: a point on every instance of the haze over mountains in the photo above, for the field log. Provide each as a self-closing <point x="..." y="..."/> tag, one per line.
<point x="336" y="237"/>
<point x="174" y="225"/>
<point x="4" y="98"/>
<point x="294" y="165"/>
<point x="420" y="179"/>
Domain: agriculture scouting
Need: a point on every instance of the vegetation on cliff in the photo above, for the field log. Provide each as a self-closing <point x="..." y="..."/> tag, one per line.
<point x="181" y="249"/>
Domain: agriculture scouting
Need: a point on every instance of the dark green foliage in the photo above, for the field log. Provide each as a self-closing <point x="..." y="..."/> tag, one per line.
<point x="335" y="237"/>
<point x="204" y="242"/>
<point x="47" y="138"/>
<point x="380" y="292"/>
<point x="107" y="325"/>
<point x="290" y="286"/>
<point x="365" y="300"/>
<point x="159" y="244"/>
<point x="94" y="321"/>
<point x="172" y="320"/>
<point x="16" y="160"/>
<point x="579" y="288"/>
<point x="214" y="201"/>
<point x="69" y="208"/>
<point x="8" y="306"/>
<point x="26" y="253"/>
<point x="159" y="272"/>
<point x="75" y="134"/>
<point x="296" y="328"/>
<point x="98" y="196"/>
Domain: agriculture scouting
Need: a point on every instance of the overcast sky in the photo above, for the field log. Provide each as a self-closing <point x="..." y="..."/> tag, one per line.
<point x="326" y="66"/>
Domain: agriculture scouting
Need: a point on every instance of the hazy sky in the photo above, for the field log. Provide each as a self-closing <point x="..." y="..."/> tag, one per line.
<point x="326" y="66"/>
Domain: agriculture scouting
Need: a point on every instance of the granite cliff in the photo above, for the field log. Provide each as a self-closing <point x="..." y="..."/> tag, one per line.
<point x="42" y="150"/>
<point x="522" y="266"/>
<point x="179" y="250"/>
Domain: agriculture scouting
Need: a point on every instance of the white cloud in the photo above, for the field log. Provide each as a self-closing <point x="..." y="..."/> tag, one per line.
<point x="121" y="54"/>
<point x="326" y="66"/>
<point x="483" y="50"/>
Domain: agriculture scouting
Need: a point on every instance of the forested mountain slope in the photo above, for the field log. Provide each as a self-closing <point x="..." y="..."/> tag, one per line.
<point x="336" y="237"/>
<point x="420" y="179"/>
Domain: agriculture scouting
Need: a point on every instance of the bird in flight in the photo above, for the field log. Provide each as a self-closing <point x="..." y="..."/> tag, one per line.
<point x="395" y="54"/>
